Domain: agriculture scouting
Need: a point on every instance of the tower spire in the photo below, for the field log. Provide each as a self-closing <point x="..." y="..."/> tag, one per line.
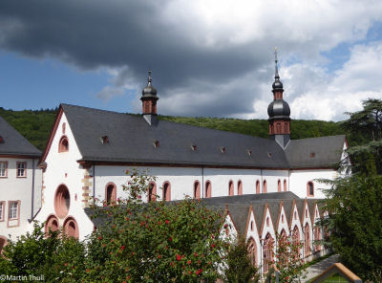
<point x="149" y="101"/>
<point x="277" y="77"/>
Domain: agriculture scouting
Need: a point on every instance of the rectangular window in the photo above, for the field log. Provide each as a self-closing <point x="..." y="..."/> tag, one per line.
<point x="2" y="209"/>
<point x="21" y="169"/>
<point x="3" y="169"/>
<point x="13" y="212"/>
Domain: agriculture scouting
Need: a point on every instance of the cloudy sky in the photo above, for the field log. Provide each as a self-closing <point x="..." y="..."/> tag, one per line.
<point x="208" y="57"/>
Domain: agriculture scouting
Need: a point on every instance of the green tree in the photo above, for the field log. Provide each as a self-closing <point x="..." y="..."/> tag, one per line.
<point x="355" y="222"/>
<point x="365" y="128"/>
<point x="154" y="242"/>
<point x="240" y="269"/>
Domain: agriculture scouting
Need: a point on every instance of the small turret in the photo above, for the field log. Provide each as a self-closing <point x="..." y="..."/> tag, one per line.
<point x="149" y="102"/>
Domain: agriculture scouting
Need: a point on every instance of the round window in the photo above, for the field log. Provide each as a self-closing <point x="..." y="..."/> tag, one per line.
<point x="62" y="201"/>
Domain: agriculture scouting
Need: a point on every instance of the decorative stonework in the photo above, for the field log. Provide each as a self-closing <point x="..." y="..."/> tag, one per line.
<point x="86" y="187"/>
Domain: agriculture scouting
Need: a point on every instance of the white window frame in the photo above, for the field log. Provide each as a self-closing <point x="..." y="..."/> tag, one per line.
<point x="3" y="169"/>
<point x="21" y="168"/>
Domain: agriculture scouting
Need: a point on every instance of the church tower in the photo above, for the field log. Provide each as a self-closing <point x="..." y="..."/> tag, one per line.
<point x="149" y="102"/>
<point x="279" y="112"/>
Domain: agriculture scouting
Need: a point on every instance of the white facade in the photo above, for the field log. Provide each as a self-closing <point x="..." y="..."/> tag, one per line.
<point x="20" y="194"/>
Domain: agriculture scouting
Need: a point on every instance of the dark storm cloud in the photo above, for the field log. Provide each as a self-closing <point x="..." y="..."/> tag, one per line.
<point x="90" y="34"/>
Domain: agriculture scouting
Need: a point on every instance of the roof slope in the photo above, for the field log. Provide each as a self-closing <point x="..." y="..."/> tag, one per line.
<point x="131" y="139"/>
<point x="321" y="152"/>
<point x="13" y="143"/>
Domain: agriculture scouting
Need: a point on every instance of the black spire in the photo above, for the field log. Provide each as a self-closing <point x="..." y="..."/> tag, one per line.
<point x="277" y="85"/>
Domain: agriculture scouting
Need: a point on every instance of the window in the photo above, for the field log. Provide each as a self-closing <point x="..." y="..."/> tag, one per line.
<point x="3" y="169"/>
<point x="21" y="169"/>
<point x="51" y="224"/>
<point x="279" y="186"/>
<point x="285" y="186"/>
<point x="252" y="226"/>
<point x="71" y="228"/>
<point x="307" y="248"/>
<point x="13" y="212"/>
<point x="152" y="193"/>
<point x="310" y="189"/>
<point x="196" y="190"/>
<point x="296" y="234"/>
<point x="239" y="188"/>
<point x="166" y="191"/>
<point x="265" y="187"/>
<point x="62" y="201"/>
<point x="2" y="210"/>
<point x="63" y="145"/>
<point x="257" y="187"/>
<point x="111" y="194"/>
<point x="252" y="251"/>
<point x="267" y="252"/>
<point x="208" y="189"/>
<point x="230" y="188"/>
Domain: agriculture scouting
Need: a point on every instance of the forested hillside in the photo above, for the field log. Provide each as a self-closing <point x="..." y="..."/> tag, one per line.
<point x="36" y="125"/>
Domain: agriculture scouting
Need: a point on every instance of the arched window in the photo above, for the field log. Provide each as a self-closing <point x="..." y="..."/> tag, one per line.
<point x="110" y="194"/>
<point x="252" y="226"/>
<point x="267" y="252"/>
<point x="63" y="128"/>
<point x="230" y="188"/>
<point x="3" y="242"/>
<point x="308" y="250"/>
<point x="51" y="224"/>
<point x="208" y="193"/>
<point x="63" y="145"/>
<point x="71" y="227"/>
<point x="239" y="188"/>
<point x="252" y="250"/>
<point x="283" y="257"/>
<point x="285" y="186"/>
<point x="264" y="186"/>
<point x="279" y="186"/>
<point x="310" y="189"/>
<point x="166" y="191"/>
<point x="152" y="192"/>
<point x="62" y="201"/>
<point x="196" y="190"/>
<point x="296" y="234"/>
<point x="257" y="187"/>
<point x="267" y="221"/>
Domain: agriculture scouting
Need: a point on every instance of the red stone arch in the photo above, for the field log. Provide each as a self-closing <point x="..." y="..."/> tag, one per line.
<point x="265" y="189"/>
<point x="196" y="190"/>
<point x="63" y="144"/>
<point x="307" y="248"/>
<point x="110" y="193"/>
<point x="3" y="243"/>
<point x="62" y="201"/>
<point x="166" y="191"/>
<point x="279" y="185"/>
<point x="310" y="189"/>
<point x="267" y="252"/>
<point x="252" y="251"/>
<point x="296" y="234"/>
<point x="230" y="188"/>
<point x="208" y="192"/>
<point x="239" y="187"/>
<point x="71" y="227"/>
<point x="285" y="185"/>
<point x="52" y="223"/>
<point x="152" y="192"/>
<point x="257" y="187"/>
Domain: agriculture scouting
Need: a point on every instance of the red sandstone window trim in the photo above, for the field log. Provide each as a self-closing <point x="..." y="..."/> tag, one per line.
<point x="10" y="212"/>
<point x="110" y="193"/>
<point x="265" y="190"/>
<point x="278" y="185"/>
<point x="62" y="201"/>
<point x="63" y="145"/>
<point x="21" y="169"/>
<point x="3" y="169"/>
<point x="257" y="187"/>
<point x="239" y="188"/>
<point x="2" y="211"/>
<point x="310" y="189"/>
<point x="208" y="189"/>
<point x="166" y="194"/>
<point x="71" y="227"/>
<point x="231" y="191"/>
<point x="3" y="243"/>
<point x="285" y="185"/>
<point x="51" y="223"/>
<point x="196" y="190"/>
<point x="152" y="192"/>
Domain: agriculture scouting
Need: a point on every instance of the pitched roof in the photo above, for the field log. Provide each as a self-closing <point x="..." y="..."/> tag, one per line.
<point x="13" y="143"/>
<point x="321" y="152"/>
<point x="132" y="140"/>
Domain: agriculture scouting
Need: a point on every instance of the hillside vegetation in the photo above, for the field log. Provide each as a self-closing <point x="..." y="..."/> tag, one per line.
<point x="35" y="125"/>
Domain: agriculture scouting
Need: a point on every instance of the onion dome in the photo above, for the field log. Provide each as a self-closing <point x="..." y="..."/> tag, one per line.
<point x="149" y="91"/>
<point x="279" y="109"/>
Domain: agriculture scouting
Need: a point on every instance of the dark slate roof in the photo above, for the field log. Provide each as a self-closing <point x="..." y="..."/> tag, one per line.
<point x="319" y="152"/>
<point x="132" y="139"/>
<point x="239" y="214"/>
<point x="13" y="143"/>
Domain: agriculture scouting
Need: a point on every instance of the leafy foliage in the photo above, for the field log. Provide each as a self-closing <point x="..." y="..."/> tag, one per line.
<point x="239" y="266"/>
<point x="355" y="220"/>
